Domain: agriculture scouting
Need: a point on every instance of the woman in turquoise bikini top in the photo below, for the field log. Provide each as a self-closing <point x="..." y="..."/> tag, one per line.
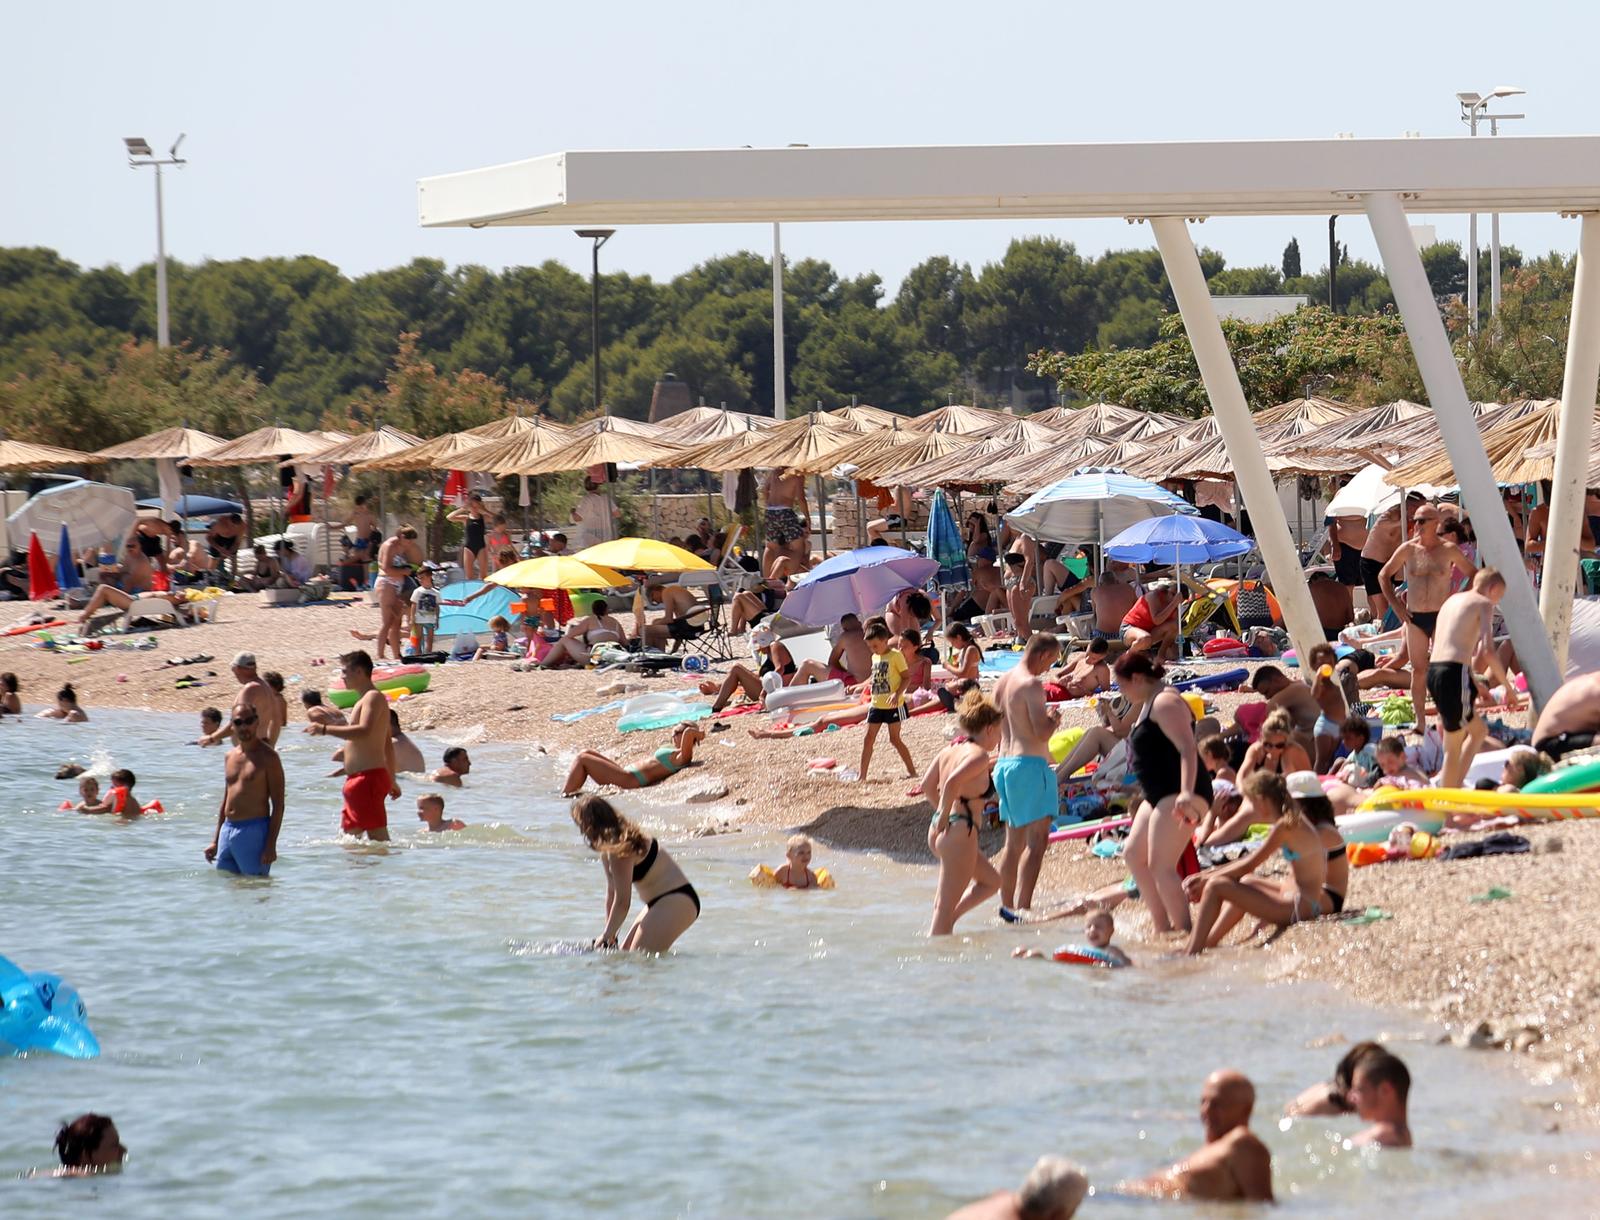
<point x="666" y="761"/>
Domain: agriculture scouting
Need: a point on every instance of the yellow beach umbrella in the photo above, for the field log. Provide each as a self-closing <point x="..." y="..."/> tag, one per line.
<point x="642" y="555"/>
<point x="557" y="572"/>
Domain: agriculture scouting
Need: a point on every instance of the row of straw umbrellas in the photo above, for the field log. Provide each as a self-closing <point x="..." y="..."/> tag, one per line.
<point x="955" y="446"/>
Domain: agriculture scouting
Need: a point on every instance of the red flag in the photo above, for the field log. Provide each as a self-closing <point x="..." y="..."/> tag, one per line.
<point x="455" y="487"/>
<point x="41" y="575"/>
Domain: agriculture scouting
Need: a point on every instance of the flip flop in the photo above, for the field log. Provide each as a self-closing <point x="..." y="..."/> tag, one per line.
<point x="1492" y="894"/>
<point x="1368" y="916"/>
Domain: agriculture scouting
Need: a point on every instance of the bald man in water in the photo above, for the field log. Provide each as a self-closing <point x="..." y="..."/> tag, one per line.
<point x="1232" y="1165"/>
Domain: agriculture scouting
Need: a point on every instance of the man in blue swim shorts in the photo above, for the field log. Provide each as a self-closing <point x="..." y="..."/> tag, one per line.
<point x="246" y="841"/>
<point x="1024" y="779"/>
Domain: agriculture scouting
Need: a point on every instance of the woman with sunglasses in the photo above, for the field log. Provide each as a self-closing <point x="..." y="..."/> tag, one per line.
<point x="1275" y="752"/>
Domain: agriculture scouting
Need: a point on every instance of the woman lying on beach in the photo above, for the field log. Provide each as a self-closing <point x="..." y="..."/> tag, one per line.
<point x="634" y="860"/>
<point x="66" y="707"/>
<point x="1303" y="831"/>
<point x="845" y="717"/>
<point x="1394" y="771"/>
<point x="596" y="627"/>
<point x="960" y="787"/>
<point x="668" y="760"/>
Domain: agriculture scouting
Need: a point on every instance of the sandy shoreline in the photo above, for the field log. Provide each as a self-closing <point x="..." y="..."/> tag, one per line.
<point x="1518" y="972"/>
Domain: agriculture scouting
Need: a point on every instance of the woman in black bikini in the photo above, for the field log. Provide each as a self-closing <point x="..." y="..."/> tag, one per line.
<point x="634" y="860"/>
<point x="1177" y="789"/>
<point x="960" y="786"/>
<point x="474" y="542"/>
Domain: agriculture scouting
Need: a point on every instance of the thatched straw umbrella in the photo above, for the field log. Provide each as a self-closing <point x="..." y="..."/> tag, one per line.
<point x="264" y="445"/>
<point x="24" y="455"/>
<point x="700" y="424"/>
<point x="1521" y="449"/>
<point x="960" y="420"/>
<point x="170" y="449"/>
<point x="863" y="418"/>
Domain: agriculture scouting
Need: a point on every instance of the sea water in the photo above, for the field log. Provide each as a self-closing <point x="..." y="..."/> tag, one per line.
<point x="403" y="1030"/>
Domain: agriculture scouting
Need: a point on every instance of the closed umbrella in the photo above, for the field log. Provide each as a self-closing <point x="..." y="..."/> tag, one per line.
<point x="66" y="570"/>
<point x="857" y="582"/>
<point x="946" y="548"/>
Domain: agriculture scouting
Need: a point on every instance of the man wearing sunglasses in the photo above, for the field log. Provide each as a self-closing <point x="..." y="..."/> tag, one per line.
<point x="246" y="838"/>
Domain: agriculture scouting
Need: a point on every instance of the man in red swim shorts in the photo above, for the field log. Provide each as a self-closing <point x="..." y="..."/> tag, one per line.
<point x="368" y="752"/>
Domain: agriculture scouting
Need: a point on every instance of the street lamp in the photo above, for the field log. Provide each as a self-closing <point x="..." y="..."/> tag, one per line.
<point x="140" y="154"/>
<point x="1472" y="109"/>
<point x="599" y="237"/>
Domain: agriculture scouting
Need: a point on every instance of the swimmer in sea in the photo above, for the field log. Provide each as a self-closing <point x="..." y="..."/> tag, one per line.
<point x="795" y="871"/>
<point x="1052" y="1191"/>
<point x="88" y="794"/>
<point x="1332" y="1097"/>
<point x="1379" y="1090"/>
<point x="119" y="800"/>
<point x="430" y="812"/>
<point x="457" y="765"/>
<point x="210" y="722"/>
<point x="88" y="1145"/>
<point x="251" y="815"/>
<point x="1098" y="931"/>
<point x="635" y="860"/>
<point x="66" y="707"/>
<point x="1233" y="1164"/>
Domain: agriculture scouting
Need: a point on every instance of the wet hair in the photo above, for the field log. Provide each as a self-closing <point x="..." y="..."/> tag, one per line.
<point x="1380" y="1067"/>
<point x="1344" y="1073"/>
<point x="605" y="830"/>
<point x="124" y="778"/>
<point x="8" y="681"/>
<point x="1095" y="914"/>
<point x="67" y="695"/>
<point x="80" y="1139"/>
<point x="311" y="698"/>
<point x="1139" y="665"/>
<point x="1278" y="721"/>
<point x="211" y="715"/>
<point x="877" y="629"/>
<point x="1355" y="725"/>
<point x="1215" y="747"/>
<point x="1392" y="745"/>
<point x="976" y="712"/>
<point x="1267" y="673"/>
<point x="452" y="753"/>
<point x="1268" y="787"/>
<point x="273" y="679"/>
<point x="499" y="623"/>
<point x="599" y="609"/>
<point x="359" y="659"/>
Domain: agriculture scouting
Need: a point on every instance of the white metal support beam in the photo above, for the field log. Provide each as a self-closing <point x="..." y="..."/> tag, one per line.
<point x="1250" y="472"/>
<point x="1578" y="390"/>
<point x="1479" y="495"/>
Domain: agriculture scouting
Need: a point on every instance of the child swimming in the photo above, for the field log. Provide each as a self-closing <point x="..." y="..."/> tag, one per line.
<point x="795" y="871"/>
<point x="430" y="812"/>
<point x="120" y="800"/>
<point x="210" y="722"/>
<point x="1098" y="931"/>
<point x="88" y="794"/>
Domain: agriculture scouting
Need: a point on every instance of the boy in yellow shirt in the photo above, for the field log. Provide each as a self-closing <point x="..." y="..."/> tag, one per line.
<point x="885" y="683"/>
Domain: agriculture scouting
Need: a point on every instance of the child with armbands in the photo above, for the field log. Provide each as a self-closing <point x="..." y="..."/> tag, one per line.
<point x="430" y="812"/>
<point x="1098" y="930"/>
<point x="120" y="800"/>
<point x="88" y="795"/>
<point x="795" y="872"/>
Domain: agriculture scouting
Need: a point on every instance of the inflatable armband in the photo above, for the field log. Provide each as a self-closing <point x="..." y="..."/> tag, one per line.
<point x="764" y="876"/>
<point x="38" y="1012"/>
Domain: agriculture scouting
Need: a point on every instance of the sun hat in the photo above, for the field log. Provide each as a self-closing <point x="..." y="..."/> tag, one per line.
<point x="1303" y="784"/>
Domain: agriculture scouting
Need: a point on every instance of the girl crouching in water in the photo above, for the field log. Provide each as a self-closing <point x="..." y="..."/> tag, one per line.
<point x="635" y="860"/>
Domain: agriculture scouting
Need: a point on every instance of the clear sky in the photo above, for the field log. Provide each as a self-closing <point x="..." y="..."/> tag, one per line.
<point x="309" y="123"/>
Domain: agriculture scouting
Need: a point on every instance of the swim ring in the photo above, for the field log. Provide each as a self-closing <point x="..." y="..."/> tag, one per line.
<point x="1084" y="955"/>
<point x="39" y="1012"/>
<point x="764" y="876"/>
<point x="1579" y="777"/>
<point x="411" y="679"/>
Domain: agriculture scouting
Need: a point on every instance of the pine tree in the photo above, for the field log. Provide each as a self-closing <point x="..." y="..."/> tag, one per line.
<point x="1291" y="259"/>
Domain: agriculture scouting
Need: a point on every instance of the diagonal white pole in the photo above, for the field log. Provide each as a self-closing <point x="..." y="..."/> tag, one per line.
<point x="1578" y="386"/>
<point x="1479" y="495"/>
<point x="1250" y="472"/>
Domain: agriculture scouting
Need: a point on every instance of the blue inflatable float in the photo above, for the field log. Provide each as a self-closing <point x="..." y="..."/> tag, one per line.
<point x="39" y="1012"/>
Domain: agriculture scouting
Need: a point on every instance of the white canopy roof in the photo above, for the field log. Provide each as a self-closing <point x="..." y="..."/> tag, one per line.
<point x="1195" y="179"/>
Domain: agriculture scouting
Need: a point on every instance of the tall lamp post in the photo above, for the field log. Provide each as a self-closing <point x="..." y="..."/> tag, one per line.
<point x="599" y="237"/>
<point x="1472" y="110"/>
<point x="140" y="154"/>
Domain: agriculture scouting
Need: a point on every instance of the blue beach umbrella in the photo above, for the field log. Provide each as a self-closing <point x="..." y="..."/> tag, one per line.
<point x="1177" y="541"/>
<point x="857" y="582"/>
<point x="66" y="570"/>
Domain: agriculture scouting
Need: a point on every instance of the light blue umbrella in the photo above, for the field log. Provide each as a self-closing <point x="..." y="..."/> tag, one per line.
<point x="1091" y="503"/>
<point x="1177" y="541"/>
<point x="857" y="582"/>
